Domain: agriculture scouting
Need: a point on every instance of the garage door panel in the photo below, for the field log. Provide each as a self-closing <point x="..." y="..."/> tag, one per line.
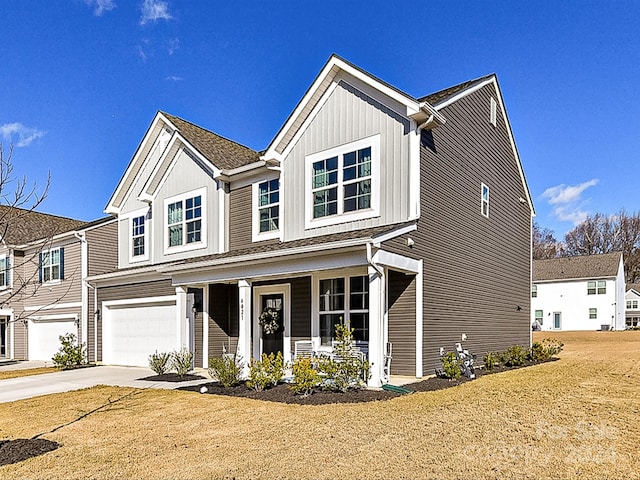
<point x="132" y="333"/>
<point x="44" y="337"/>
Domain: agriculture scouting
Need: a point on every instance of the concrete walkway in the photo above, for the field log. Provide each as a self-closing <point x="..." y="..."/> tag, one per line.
<point x="35" y="385"/>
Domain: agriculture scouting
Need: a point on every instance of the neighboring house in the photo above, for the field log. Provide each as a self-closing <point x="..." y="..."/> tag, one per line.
<point x="45" y="258"/>
<point x="579" y="293"/>
<point x="632" y="311"/>
<point x="370" y="207"/>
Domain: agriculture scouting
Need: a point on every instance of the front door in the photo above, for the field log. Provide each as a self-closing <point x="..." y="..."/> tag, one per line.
<point x="3" y="337"/>
<point x="272" y="322"/>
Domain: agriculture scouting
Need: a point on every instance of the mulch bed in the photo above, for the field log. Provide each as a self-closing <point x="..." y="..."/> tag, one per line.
<point x="172" y="377"/>
<point x="14" y="451"/>
<point x="283" y="394"/>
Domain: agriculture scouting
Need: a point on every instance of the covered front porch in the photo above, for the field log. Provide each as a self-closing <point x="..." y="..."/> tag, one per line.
<point x="373" y="294"/>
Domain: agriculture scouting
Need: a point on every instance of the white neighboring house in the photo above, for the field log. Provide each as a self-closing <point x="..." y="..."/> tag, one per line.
<point x="579" y="293"/>
<point x="632" y="300"/>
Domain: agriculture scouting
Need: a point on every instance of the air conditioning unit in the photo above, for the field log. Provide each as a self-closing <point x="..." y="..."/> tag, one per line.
<point x="605" y="328"/>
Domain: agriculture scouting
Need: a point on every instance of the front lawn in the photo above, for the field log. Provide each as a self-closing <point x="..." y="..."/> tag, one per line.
<point x="574" y="418"/>
<point x="6" y="374"/>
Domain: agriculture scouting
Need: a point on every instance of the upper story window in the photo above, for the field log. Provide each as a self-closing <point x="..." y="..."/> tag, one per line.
<point x="52" y="265"/>
<point x="534" y="291"/>
<point x="269" y="205"/>
<point x="342" y="183"/>
<point x="632" y="304"/>
<point x="185" y="221"/>
<point x="484" y="199"/>
<point x="4" y="272"/>
<point x="137" y="236"/>
<point x="599" y="287"/>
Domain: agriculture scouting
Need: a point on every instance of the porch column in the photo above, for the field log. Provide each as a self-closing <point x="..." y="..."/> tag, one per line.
<point x="205" y="326"/>
<point x="244" y="330"/>
<point x="377" y="331"/>
<point x="181" y="312"/>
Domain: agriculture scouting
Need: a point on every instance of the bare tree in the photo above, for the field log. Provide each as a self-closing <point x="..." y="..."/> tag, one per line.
<point x="545" y="244"/>
<point x="609" y="233"/>
<point x="18" y="201"/>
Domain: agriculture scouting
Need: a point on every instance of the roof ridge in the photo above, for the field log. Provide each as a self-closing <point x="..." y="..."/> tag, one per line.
<point x="440" y="95"/>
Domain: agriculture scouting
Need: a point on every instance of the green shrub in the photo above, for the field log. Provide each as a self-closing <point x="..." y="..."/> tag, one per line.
<point x="514" y="356"/>
<point x="226" y="369"/>
<point x="182" y="361"/>
<point x="70" y="355"/>
<point x="160" y="362"/>
<point x="347" y="368"/>
<point x="489" y="360"/>
<point x="267" y="371"/>
<point x="545" y="349"/>
<point x="305" y="378"/>
<point x="451" y="366"/>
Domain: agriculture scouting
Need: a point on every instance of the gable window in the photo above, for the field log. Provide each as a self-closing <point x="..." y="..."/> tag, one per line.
<point x="185" y="221"/>
<point x="484" y="199"/>
<point x="137" y="236"/>
<point x="52" y="265"/>
<point x="4" y="272"/>
<point x="534" y="291"/>
<point x="593" y="313"/>
<point x="599" y="287"/>
<point x="342" y="183"/>
<point x="632" y="304"/>
<point x="269" y="205"/>
<point x="344" y="301"/>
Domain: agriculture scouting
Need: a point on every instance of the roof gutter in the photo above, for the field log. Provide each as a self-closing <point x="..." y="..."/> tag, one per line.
<point x="428" y="117"/>
<point x="243" y="171"/>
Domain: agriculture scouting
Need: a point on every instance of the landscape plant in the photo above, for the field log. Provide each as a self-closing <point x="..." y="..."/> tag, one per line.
<point x="451" y="366"/>
<point x="71" y="353"/>
<point x="160" y="362"/>
<point x="346" y="368"/>
<point x="305" y="377"/>
<point x="489" y="361"/>
<point x="267" y="371"/>
<point x="182" y="361"/>
<point x="226" y="369"/>
<point x="545" y="349"/>
<point x="514" y="356"/>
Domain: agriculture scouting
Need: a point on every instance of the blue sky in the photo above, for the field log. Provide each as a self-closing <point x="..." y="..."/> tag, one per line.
<point x="81" y="80"/>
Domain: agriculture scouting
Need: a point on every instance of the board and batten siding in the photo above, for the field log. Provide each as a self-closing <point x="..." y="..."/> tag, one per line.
<point x="348" y="115"/>
<point x="476" y="269"/>
<point x="401" y="290"/>
<point x="158" y="288"/>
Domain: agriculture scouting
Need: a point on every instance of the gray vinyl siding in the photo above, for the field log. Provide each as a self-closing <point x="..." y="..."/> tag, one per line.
<point x="476" y="269"/>
<point x="240" y="218"/>
<point x="349" y="115"/>
<point x="198" y="330"/>
<point x="102" y="246"/>
<point x="223" y="318"/>
<point x="402" y="322"/>
<point x="158" y="288"/>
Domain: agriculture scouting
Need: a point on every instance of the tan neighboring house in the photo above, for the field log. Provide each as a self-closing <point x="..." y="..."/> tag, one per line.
<point x="44" y="259"/>
<point x="368" y="208"/>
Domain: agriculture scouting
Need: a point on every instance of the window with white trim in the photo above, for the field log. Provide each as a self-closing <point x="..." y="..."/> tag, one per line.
<point x="138" y="236"/>
<point x="4" y="272"/>
<point x="599" y="287"/>
<point x="185" y="221"/>
<point x="534" y="291"/>
<point x="484" y="198"/>
<point x="632" y="304"/>
<point x="539" y="317"/>
<point x="52" y="265"/>
<point x="344" y="301"/>
<point x="342" y="183"/>
<point x="269" y="206"/>
<point x="593" y="313"/>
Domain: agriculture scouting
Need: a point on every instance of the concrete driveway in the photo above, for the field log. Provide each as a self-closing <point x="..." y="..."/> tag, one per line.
<point x="35" y="385"/>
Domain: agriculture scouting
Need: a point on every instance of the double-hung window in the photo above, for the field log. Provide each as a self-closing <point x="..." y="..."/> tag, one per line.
<point x="599" y="287"/>
<point x="632" y="304"/>
<point x="4" y="272"/>
<point x="52" y="265"/>
<point x="593" y="313"/>
<point x="342" y="183"/>
<point x="137" y="236"/>
<point x="484" y="200"/>
<point x="344" y="301"/>
<point x="185" y="222"/>
<point x="534" y="291"/>
<point x="539" y="317"/>
<point x="269" y="205"/>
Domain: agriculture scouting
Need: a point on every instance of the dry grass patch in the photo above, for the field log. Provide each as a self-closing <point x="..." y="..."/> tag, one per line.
<point x="6" y="374"/>
<point x="576" y="418"/>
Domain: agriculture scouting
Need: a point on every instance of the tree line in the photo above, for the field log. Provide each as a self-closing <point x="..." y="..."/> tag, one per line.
<point x="596" y="234"/>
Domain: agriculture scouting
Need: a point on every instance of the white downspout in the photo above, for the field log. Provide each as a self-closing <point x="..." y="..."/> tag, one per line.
<point x="377" y="313"/>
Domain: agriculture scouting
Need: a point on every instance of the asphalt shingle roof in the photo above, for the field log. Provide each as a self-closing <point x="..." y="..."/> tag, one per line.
<point x="222" y="152"/>
<point x="586" y="266"/>
<point x="19" y="226"/>
<point x="442" y="95"/>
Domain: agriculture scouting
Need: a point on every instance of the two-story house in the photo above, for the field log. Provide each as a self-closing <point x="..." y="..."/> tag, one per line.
<point x="370" y="208"/>
<point x="43" y="259"/>
<point x="579" y="293"/>
<point x="632" y="310"/>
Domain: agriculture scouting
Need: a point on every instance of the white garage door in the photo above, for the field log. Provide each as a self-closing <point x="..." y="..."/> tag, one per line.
<point x="44" y="341"/>
<point x="131" y="333"/>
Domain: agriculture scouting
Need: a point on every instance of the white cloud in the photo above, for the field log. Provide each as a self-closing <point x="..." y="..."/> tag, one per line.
<point x="101" y="6"/>
<point x="174" y="45"/>
<point x="153" y="10"/>
<point x="25" y="135"/>
<point x="567" y="201"/>
<point x="174" y="78"/>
